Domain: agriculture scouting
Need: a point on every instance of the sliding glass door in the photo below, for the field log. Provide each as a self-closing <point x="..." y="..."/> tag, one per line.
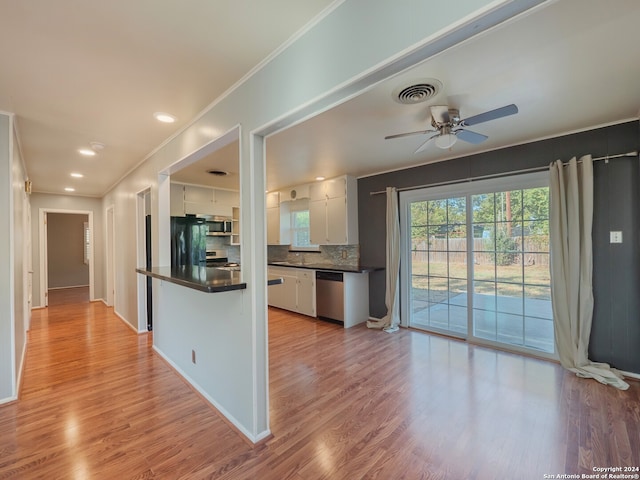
<point x="477" y="262"/>
<point x="439" y="265"/>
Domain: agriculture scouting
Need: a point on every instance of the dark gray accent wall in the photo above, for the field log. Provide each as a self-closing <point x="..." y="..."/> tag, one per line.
<point x="616" y="323"/>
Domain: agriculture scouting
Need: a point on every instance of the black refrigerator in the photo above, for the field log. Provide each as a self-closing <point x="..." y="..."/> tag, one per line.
<point x="188" y="241"/>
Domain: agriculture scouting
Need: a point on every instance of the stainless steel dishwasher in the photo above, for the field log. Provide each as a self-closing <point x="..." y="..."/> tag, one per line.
<point x="330" y="295"/>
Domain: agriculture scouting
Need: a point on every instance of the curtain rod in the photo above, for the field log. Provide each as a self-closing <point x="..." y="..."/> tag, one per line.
<point x="606" y="158"/>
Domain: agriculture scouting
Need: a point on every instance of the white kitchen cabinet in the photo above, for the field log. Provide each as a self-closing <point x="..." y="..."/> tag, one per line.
<point x="278" y="220"/>
<point x="273" y="226"/>
<point x="273" y="218"/>
<point x="209" y="201"/>
<point x="297" y="293"/>
<point x="318" y="222"/>
<point x="176" y="200"/>
<point x="284" y="294"/>
<point x="306" y="292"/>
<point x="227" y="198"/>
<point x="333" y="212"/>
<point x="193" y="194"/>
<point x="332" y="188"/>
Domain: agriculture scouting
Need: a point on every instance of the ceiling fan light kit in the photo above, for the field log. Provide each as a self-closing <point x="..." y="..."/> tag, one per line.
<point x="445" y="140"/>
<point x="448" y="127"/>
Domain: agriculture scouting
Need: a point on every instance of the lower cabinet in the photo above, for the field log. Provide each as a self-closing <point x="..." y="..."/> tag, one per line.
<point x="296" y="293"/>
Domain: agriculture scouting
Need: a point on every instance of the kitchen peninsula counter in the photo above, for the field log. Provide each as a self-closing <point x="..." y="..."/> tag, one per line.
<point x="204" y="279"/>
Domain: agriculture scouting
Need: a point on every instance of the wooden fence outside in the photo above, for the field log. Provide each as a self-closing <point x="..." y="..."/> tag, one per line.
<point x="435" y="250"/>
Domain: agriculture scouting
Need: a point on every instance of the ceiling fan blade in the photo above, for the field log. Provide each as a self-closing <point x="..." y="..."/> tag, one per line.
<point x="470" y="137"/>
<point x="440" y="114"/>
<point x="490" y="115"/>
<point x="398" y="135"/>
<point x="426" y="143"/>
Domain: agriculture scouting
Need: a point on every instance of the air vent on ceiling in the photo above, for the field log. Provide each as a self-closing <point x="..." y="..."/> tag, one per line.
<point x="417" y="92"/>
<point x="218" y="173"/>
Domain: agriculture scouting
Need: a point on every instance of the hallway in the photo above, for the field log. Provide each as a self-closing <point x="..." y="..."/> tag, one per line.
<point x="97" y="403"/>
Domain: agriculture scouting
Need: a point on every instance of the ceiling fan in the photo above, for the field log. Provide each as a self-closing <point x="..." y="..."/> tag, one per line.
<point x="448" y="127"/>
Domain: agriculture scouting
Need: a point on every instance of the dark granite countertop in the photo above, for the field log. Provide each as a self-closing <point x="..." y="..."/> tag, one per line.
<point x="205" y="279"/>
<point x="329" y="268"/>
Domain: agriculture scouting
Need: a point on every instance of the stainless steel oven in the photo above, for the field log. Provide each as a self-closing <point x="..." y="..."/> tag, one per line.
<point x="214" y="259"/>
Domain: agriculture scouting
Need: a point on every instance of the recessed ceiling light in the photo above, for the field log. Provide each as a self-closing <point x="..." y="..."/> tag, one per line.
<point x="69" y="189"/>
<point x="86" y="152"/>
<point x="164" y="117"/>
<point x="319" y="179"/>
<point x="97" y="146"/>
<point x="77" y="175"/>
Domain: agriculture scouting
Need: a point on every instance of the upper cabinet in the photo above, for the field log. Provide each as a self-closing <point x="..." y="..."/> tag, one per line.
<point x="205" y="200"/>
<point x="273" y="218"/>
<point x="228" y="198"/>
<point x="201" y="195"/>
<point x="333" y="211"/>
<point x="332" y="188"/>
<point x="176" y="200"/>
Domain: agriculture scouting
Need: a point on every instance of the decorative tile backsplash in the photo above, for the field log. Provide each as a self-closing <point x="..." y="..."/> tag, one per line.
<point x="328" y="255"/>
<point x="221" y="245"/>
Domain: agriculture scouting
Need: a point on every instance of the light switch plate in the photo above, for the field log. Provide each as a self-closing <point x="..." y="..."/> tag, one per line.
<point x="615" y="237"/>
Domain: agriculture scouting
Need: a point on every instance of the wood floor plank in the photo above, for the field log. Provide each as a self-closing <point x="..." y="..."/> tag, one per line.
<point x="98" y="403"/>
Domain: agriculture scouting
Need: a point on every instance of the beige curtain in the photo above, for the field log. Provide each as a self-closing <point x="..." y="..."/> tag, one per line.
<point x="571" y="218"/>
<point x="389" y="323"/>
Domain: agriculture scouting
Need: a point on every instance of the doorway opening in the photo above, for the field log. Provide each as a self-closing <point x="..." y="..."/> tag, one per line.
<point x="66" y="267"/>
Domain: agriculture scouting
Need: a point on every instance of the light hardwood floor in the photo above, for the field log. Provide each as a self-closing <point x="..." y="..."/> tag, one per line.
<point x="97" y="403"/>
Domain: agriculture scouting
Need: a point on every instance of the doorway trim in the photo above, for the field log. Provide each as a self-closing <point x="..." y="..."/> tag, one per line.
<point x="141" y="211"/>
<point x="43" y="247"/>
<point x="110" y="236"/>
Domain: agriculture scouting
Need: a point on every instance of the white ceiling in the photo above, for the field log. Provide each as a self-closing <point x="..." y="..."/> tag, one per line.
<point x="80" y="71"/>
<point x="570" y="65"/>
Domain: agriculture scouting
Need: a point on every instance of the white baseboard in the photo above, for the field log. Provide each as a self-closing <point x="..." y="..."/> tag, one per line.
<point x="216" y="405"/>
<point x="68" y="286"/>
<point x="8" y="400"/>
<point x="124" y="320"/>
<point x="21" y="369"/>
<point x="635" y="376"/>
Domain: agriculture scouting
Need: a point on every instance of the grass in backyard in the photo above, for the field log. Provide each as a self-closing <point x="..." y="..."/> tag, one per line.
<point x="508" y="279"/>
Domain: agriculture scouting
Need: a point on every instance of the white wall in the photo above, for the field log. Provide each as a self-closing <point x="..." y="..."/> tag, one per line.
<point x="22" y="312"/>
<point x="76" y="203"/>
<point x="357" y="44"/>
<point x="7" y="362"/>
<point x="14" y="316"/>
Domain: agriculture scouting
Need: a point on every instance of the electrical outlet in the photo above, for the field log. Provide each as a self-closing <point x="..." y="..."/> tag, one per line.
<point x="193" y="356"/>
<point x="344" y="254"/>
<point x="615" y="237"/>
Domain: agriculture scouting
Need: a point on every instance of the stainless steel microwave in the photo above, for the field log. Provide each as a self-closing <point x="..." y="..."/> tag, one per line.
<point x="219" y="226"/>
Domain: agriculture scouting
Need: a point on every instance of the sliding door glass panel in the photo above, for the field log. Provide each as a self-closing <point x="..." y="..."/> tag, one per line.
<point x="511" y="299"/>
<point x="439" y="294"/>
